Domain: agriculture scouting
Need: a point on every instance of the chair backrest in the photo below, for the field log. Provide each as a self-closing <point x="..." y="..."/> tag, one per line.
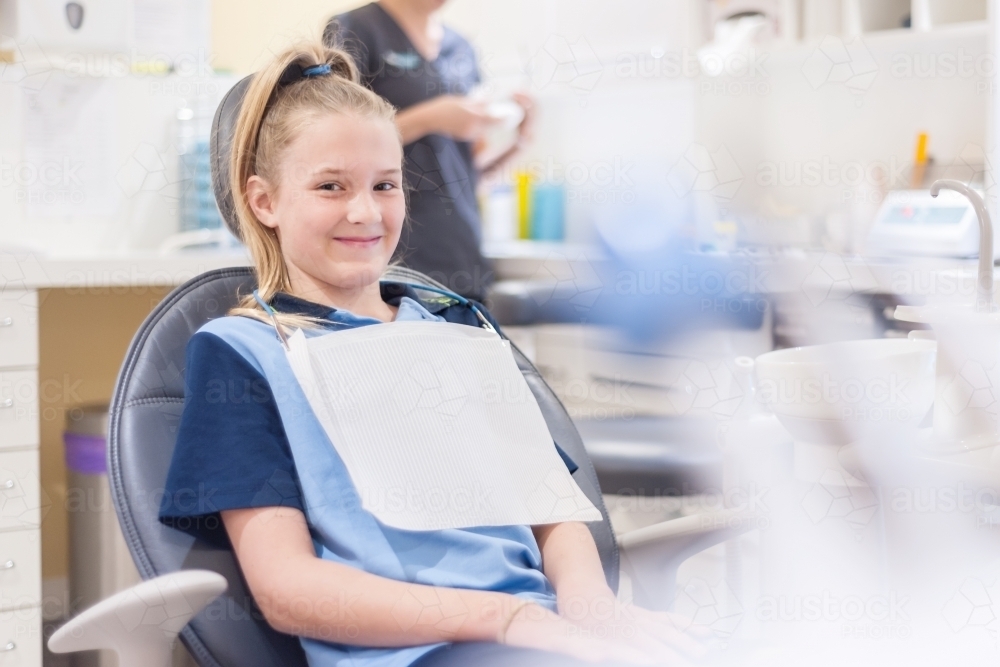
<point x="145" y="412"/>
<point x="220" y="150"/>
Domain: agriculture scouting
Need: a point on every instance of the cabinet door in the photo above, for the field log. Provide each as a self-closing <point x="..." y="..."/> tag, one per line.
<point x="20" y="569"/>
<point x="20" y="503"/>
<point x="19" y="417"/>
<point x="21" y="638"/>
<point x="18" y="328"/>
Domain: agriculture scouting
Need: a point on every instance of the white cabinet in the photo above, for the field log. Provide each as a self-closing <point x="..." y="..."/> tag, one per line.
<point x="21" y="509"/>
<point x="19" y="490"/>
<point x="20" y="569"/>
<point x="18" y="328"/>
<point x="18" y="409"/>
<point x="21" y="638"/>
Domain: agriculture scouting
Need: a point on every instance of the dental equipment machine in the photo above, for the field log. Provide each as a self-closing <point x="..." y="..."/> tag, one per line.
<point x="926" y="223"/>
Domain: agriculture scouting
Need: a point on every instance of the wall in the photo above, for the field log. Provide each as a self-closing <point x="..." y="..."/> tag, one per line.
<point x="607" y="132"/>
<point x="244" y="34"/>
<point x="507" y="33"/>
<point x="817" y="146"/>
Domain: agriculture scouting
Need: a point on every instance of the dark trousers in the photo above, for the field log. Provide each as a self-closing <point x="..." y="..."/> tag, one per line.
<point x="488" y="654"/>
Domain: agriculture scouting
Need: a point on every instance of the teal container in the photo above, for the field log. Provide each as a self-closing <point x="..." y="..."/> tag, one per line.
<point x="548" y="212"/>
<point x="198" y="210"/>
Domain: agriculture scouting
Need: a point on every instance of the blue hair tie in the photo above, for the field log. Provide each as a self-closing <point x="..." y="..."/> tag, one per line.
<point x="316" y="70"/>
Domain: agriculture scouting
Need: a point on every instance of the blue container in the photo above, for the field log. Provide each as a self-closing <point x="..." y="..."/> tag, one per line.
<point x="548" y="212"/>
<point x="198" y="210"/>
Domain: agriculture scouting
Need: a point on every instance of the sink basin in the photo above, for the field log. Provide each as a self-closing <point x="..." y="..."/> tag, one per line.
<point x="841" y="392"/>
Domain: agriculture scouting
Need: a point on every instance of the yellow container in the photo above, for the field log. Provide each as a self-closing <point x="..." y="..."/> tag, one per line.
<point x="523" y="205"/>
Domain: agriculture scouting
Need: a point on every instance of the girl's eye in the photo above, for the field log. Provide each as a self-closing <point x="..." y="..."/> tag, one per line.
<point x="383" y="187"/>
<point x="330" y="186"/>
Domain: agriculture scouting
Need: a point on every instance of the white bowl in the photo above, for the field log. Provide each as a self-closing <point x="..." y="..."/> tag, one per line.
<point x="843" y="391"/>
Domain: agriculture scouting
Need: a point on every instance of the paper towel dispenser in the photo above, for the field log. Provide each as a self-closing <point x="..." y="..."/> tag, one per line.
<point x="57" y="27"/>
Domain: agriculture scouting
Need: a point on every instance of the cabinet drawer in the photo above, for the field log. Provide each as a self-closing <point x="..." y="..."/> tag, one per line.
<point x="20" y="569"/>
<point x="18" y="409"/>
<point x="20" y="505"/>
<point x="21" y="638"/>
<point x="18" y="328"/>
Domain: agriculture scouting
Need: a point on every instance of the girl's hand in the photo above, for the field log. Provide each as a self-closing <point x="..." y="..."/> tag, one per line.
<point x="666" y="636"/>
<point x="535" y="627"/>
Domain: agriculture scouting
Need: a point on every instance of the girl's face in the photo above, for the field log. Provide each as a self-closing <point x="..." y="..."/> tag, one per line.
<point x="338" y="206"/>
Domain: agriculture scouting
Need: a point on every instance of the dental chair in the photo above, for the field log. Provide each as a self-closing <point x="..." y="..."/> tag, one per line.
<point x="196" y="589"/>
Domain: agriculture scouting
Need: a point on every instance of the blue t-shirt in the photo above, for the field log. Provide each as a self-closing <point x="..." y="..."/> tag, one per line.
<point x="248" y="438"/>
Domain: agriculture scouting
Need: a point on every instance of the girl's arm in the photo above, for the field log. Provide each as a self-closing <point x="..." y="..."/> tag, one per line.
<point x="301" y="594"/>
<point x="304" y="595"/>
<point x="571" y="562"/>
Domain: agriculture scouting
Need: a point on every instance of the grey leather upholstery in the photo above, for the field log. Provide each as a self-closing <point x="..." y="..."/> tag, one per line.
<point x="220" y="149"/>
<point x="145" y="412"/>
<point x="654" y="456"/>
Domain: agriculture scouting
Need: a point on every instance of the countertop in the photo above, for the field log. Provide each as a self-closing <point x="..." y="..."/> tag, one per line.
<point x="29" y="271"/>
<point x="515" y="260"/>
<point x="25" y="270"/>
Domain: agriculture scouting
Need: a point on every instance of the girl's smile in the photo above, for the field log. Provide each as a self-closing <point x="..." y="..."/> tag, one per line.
<point x="361" y="242"/>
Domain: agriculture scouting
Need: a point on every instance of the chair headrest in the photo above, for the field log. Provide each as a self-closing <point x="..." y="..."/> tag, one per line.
<point x="220" y="149"/>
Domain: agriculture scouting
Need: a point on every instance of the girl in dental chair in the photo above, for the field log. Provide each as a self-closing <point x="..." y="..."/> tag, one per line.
<point x="317" y="182"/>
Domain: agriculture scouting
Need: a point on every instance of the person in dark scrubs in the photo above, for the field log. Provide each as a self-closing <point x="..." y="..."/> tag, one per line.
<point x="426" y="70"/>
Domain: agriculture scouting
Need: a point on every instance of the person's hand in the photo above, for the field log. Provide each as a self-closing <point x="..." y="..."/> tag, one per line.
<point x="668" y="637"/>
<point x="525" y="131"/>
<point x="457" y="117"/>
<point x="535" y="627"/>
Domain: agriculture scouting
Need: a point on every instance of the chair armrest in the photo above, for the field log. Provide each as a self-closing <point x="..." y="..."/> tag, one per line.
<point x="141" y="622"/>
<point x="651" y="555"/>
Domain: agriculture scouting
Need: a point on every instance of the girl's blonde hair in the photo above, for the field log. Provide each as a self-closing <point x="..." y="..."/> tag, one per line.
<point x="279" y="101"/>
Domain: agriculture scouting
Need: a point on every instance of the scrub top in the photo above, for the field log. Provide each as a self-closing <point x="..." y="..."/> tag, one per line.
<point x="442" y="236"/>
<point x="248" y="438"/>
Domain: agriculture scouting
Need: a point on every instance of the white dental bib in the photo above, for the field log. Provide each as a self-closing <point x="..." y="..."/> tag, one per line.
<point x="436" y="426"/>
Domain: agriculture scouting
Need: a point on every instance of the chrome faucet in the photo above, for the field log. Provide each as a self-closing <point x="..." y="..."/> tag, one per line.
<point x="984" y="281"/>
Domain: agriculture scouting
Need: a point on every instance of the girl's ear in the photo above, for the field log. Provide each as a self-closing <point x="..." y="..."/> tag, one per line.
<point x="261" y="198"/>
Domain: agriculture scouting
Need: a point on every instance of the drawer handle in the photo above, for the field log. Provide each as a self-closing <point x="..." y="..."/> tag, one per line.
<point x="7" y="322"/>
<point x="9" y="646"/>
<point x="7" y="403"/>
<point x="9" y="565"/>
<point x="9" y="484"/>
